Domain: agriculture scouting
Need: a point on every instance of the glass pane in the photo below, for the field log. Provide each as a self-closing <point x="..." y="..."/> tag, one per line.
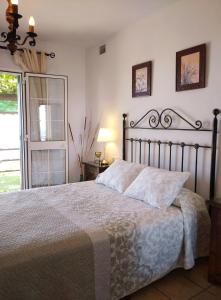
<point x="57" y="166"/>
<point x="47" y="107"/>
<point x="10" y="160"/>
<point x="56" y="97"/>
<point x="48" y="167"/>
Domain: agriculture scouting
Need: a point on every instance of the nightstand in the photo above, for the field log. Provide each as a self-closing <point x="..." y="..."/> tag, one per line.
<point x="92" y="169"/>
<point x="215" y="242"/>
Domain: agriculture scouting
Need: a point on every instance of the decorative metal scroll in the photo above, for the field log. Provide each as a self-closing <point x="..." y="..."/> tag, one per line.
<point x="164" y="120"/>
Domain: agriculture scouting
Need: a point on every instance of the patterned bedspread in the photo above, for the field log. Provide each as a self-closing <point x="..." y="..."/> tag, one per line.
<point x="84" y="241"/>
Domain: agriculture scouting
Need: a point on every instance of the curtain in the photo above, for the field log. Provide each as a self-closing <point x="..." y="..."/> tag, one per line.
<point x="31" y="61"/>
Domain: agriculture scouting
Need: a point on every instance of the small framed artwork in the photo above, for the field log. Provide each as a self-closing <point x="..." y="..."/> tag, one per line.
<point x="141" y="79"/>
<point x="191" y="68"/>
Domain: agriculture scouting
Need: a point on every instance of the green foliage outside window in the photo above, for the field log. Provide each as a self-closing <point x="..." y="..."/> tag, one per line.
<point x="8" y="106"/>
<point x="8" y="84"/>
<point x="8" y="87"/>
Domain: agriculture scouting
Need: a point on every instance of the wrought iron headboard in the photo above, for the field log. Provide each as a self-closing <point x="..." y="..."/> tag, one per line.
<point x="164" y="121"/>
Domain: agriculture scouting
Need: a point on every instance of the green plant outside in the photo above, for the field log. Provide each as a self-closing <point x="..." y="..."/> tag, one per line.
<point x="8" y="106"/>
<point x="8" y="84"/>
<point x="10" y="182"/>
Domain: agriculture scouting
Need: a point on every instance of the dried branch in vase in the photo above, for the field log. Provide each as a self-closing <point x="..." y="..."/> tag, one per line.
<point x="86" y="140"/>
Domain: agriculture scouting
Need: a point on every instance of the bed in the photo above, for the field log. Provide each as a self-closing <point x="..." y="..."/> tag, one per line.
<point x="88" y="241"/>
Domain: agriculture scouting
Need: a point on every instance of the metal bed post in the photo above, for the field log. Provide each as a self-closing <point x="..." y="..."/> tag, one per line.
<point x="124" y="136"/>
<point x="216" y="112"/>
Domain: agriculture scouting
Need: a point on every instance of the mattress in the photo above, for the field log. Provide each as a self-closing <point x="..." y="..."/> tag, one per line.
<point x="84" y="241"/>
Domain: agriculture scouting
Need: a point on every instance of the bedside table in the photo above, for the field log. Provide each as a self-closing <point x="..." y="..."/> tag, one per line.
<point x="92" y="169"/>
<point x="215" y="242"/>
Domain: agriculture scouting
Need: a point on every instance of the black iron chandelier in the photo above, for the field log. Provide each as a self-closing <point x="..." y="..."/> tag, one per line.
<point x="11" y="39"/>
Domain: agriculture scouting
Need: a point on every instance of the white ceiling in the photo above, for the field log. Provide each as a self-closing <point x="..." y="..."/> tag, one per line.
<point x="83" y="21"/>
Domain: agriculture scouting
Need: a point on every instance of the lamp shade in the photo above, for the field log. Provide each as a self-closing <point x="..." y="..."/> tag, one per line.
<point x="105" y="135"/>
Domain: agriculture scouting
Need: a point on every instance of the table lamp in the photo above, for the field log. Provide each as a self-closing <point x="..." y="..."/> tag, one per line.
<point x="105" y="135"/>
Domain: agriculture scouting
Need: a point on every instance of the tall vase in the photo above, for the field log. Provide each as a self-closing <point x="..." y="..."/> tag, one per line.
<point x="81" y="177"/>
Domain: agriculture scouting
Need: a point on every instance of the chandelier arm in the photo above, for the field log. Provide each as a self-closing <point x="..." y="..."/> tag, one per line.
<point x="18" y="37"/>
<point x="32" y="43"/>
<point x="3" y="47"/>
<point x="13" y="39"/>
<point x="4" y="35"/>
<point x="24" y="41"/>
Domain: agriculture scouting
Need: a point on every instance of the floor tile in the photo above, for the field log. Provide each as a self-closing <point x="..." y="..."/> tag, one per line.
<point x="205" y="296"/>
<point x="149" y="293"/>
<point x="176" y="286"/>
<point x="199" y="274"/>
<point x="215" y="290"/>
<point x="182" y="285"/>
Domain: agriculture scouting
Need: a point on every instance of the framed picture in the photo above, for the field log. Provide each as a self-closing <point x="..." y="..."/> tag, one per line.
<point x="191" y="68"/>
<point x="141" y="79"/>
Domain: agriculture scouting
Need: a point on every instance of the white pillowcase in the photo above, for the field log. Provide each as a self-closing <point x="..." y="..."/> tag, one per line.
<point x="157" y="187"/>
<point x="119" y="175"/>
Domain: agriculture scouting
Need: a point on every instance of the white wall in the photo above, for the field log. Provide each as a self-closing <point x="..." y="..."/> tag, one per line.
<point x="70" y="61"/>
<point x="182" y="25"/>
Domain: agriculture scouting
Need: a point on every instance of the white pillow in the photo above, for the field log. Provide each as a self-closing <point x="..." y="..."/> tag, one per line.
<point x="119" y="175"/>
<point x="157" y="187"/>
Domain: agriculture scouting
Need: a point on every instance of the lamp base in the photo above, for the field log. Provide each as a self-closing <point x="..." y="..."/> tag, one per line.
<point x="104" y="162"/>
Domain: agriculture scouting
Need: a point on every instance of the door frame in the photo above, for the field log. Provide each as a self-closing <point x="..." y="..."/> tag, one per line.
<point x="22" y="125"/>
<point x="27" y="138"/>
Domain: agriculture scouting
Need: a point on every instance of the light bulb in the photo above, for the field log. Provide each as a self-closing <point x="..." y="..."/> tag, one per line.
<point x="14" y="2"/>
<point x="31" y="21"/>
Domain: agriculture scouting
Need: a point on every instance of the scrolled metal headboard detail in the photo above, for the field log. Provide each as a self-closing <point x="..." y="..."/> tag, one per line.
<point x="164" y="121"/>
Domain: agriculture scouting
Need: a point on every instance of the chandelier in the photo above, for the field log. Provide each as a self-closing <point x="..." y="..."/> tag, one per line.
<point x="11" y="39"/>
